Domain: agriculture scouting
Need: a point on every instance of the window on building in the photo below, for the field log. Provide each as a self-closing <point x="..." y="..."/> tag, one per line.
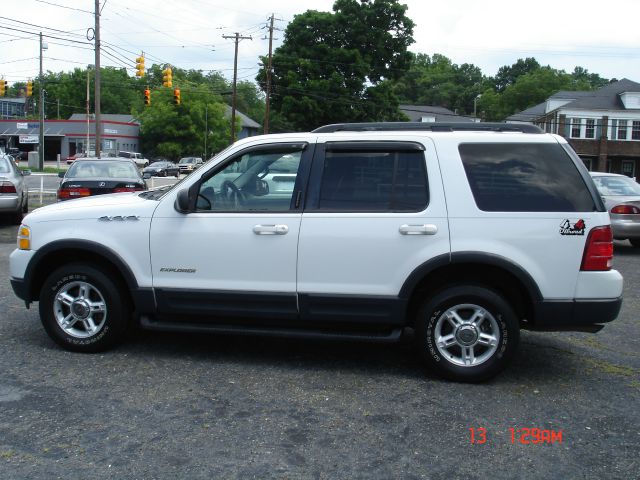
<point x="590" y="130"/>
<point x="635" y="130"/>
<point x="575" y="127"/>
<point x="622" y="129"/>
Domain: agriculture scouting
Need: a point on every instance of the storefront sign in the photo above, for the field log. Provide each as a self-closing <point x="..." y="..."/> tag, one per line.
<point x="28" y="139"/>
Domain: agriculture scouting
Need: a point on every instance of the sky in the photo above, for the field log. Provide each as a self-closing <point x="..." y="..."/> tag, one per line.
<point x="602" y="37"/>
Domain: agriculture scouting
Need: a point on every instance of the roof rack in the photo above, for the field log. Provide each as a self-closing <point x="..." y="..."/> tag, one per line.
<point x="433" y="127"/>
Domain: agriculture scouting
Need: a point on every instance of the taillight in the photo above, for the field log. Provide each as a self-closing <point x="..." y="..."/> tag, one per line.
<point x="7" y="187"/>
<point x="598" y="251"/>
<point x="66" y="193"/>
<point x="626" y="210"/>
<point x="127" y="189"/>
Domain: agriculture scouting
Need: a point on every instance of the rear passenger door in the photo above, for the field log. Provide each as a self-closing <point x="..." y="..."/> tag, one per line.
<point x="375" y="210"/>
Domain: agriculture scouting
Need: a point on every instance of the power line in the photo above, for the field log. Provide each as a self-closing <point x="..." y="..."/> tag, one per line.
<point x="63" y="6"/>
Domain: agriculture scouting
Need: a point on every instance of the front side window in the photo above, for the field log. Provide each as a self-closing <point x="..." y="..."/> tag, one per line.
<point x="258" y="181"/>
<point x="522" y="177"/>
<point x="374" y="181"/>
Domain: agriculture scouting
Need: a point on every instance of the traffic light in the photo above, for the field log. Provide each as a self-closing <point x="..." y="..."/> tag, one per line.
<point x="147" y="97"/>
<point x="3" y="87"/>
<point x="29" y="88"/>
<point x="140" y="66"/>
<point x="176" y="96"/>
<point x="167" y="77"/>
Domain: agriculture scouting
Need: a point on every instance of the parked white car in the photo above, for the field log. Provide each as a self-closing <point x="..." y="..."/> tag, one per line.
<point x="465" y="234"/>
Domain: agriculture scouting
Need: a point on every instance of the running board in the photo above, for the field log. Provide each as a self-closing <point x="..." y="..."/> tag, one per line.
<point x="390" y="336"/>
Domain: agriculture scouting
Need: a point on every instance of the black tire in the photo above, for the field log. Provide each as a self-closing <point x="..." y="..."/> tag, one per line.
<point x="499" y="329"/>
<point x="635" y="242"/>
<point x="102" y="304"/>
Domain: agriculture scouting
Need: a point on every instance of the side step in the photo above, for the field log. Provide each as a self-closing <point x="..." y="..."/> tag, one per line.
<point x="388" y="336"/>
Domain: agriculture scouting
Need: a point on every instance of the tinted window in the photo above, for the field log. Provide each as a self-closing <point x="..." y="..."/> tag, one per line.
<point x="374" y="181"/>
<point x="524" y="178"/>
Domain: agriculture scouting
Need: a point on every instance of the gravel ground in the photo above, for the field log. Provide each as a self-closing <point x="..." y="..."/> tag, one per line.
<point x="168" y="406"/>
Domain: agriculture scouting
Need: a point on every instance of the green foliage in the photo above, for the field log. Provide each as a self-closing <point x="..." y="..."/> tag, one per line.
<point x="437" y="81"/>
<point x="532" y="88"/>
<point x="173" y="131"/>
<point x="331" y="66"/>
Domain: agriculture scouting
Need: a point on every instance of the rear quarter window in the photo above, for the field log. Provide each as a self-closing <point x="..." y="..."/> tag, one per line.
<point x="524" y="177"/>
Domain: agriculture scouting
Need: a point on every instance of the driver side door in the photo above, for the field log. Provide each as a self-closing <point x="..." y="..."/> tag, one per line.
<point x="234" y="255"/>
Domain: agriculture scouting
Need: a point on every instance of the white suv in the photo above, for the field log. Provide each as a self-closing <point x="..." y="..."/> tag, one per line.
<point x="463" y="233"/>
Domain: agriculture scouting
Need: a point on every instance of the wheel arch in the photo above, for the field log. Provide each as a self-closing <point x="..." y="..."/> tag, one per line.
<point x="489" y="270"/>
<point x="62" y="252"/>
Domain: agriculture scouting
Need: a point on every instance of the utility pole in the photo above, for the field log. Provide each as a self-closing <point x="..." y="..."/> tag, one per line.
<point x="86" y="146"/>
<point x="237" y="39"/>
<point x="97" y="83"/>
<point x="41" y="105"/>
<point x="268" y="92"/>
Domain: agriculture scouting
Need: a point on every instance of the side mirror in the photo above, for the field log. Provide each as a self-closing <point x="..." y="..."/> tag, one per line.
<point x="182" y="204"/>
<point x="61" y="174"/>
<point x="26" y="172"/>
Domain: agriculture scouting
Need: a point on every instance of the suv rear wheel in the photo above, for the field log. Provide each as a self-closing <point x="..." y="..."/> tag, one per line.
<point x="467" y="333"/>
<point x="82" y="309"/>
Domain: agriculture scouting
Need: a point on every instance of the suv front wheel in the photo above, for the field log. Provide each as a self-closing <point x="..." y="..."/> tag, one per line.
<point x="467" y="333"/>
<point x="82" y="309"/>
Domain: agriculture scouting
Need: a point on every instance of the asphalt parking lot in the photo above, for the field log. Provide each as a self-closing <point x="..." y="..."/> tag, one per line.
<point x="169" y="406"/>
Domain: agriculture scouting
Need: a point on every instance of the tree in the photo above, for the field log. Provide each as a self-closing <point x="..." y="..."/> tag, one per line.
<point x="508" y="75"/>
<point x="331" y="67"/>
<point x="173" y="131"/>
<point x="437" y="81"/>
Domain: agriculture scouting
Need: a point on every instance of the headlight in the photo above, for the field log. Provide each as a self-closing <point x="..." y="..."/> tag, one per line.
<point x="24" y="238"/>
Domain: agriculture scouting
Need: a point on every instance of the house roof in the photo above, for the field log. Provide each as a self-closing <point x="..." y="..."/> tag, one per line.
<point x="528" y="115"/>
<point x="607" y="97"/>
<point x="105" y="117"/>
<point x="441" y="114"/>
<point x="246" y="122"/>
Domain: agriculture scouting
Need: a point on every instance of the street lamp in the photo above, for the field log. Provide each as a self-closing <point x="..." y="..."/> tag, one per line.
<point x="475" y="104"/>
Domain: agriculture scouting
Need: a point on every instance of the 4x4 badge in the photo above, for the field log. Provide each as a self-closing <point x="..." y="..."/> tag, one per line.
<point x="567" y="227"/>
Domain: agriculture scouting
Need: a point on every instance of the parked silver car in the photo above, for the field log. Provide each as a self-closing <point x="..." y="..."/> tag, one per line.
<point x="14" y="197"/>
<point x="621" y="196"/>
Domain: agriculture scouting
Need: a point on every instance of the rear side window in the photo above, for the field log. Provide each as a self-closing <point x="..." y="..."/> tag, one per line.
<point x="524" y="177"/>
<point x="377" y="181"/>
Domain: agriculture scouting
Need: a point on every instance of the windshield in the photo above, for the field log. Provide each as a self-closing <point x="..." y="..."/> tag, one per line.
<point x="616" y="186"/>
<point x="187" y="160"/>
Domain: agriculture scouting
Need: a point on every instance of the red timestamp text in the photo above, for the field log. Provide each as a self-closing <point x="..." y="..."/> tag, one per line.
<point x="522" y="436"/>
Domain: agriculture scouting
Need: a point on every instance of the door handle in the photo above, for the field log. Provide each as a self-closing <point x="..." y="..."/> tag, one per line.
<point x="418" y="229"/>
<point x="270" y="229"/>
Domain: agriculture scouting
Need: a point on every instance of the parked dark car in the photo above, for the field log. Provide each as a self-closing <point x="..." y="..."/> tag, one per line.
<point x="96" y="176"/>
<point x="163" y="168"/>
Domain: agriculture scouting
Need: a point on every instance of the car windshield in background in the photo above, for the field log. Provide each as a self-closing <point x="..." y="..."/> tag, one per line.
<point x="102" y="169"/>
<point x="616" y="186"/>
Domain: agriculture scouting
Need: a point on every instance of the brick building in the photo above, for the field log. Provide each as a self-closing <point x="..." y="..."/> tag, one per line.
<point x="602" y="126"/>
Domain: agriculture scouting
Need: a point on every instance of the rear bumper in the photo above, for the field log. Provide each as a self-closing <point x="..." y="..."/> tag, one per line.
<point x="624" y="228"/>
<point x="9" y="203"/>
<point x="575" y="315"/>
